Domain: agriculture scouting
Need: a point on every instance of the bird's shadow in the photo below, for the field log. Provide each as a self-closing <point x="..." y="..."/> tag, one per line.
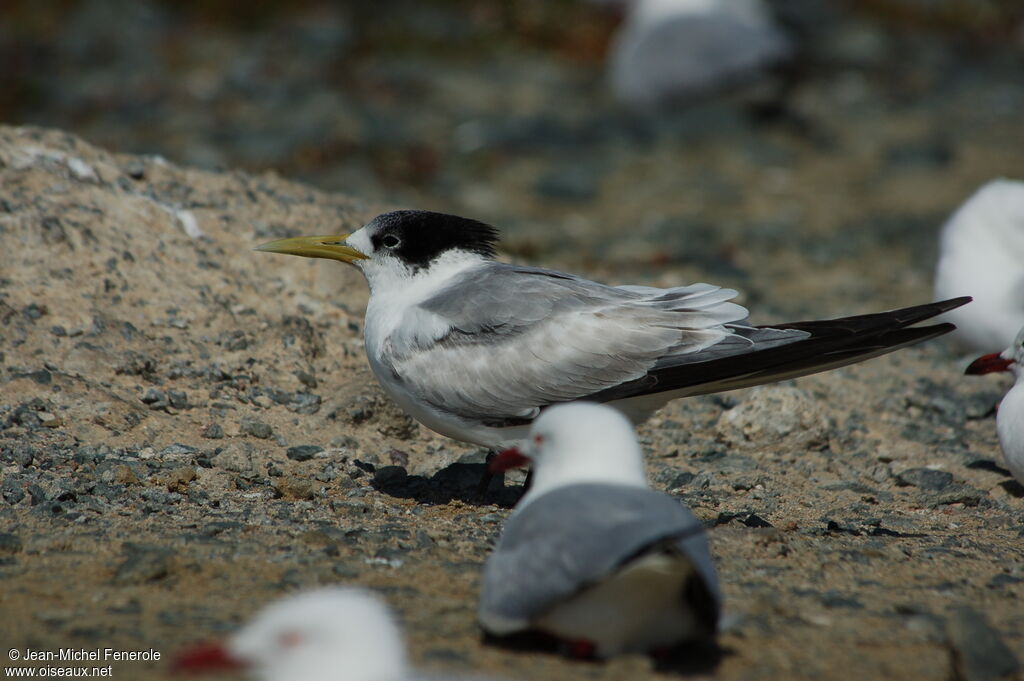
<point x="689" y="659"/>
<point x="686" y="659"/>
<point x="1013" y="488"/>
<point x="458" y="481"/>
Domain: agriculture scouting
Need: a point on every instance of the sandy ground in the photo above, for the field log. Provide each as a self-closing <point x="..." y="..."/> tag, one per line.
<point x="188" y="429"/>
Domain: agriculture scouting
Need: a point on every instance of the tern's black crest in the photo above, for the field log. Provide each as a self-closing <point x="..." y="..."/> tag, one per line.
<point x="422" y="235"/>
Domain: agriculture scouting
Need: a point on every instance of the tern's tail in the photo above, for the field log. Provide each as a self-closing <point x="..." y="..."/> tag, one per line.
<point x="830" y="344"/>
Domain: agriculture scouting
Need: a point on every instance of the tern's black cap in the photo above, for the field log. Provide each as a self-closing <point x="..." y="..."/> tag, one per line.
<point x="423" y="235"/>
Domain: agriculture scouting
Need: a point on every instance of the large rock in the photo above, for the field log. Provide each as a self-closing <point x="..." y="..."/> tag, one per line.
<point x="133" y="305"/>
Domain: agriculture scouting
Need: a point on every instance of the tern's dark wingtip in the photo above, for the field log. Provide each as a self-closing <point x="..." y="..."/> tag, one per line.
<point x="954" y="303"/>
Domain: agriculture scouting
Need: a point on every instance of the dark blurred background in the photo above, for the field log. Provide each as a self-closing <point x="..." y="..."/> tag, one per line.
<point x="889" y="113"/>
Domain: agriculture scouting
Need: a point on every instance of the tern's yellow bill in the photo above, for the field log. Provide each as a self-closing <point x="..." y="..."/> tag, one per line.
<point x="331" y="247"/>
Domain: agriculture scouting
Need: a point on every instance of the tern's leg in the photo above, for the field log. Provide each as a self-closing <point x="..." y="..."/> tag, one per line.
<point x="487" y="476"/>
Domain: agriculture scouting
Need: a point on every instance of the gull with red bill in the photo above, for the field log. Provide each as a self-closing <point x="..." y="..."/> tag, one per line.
<point x="592" y="555"/>
<point x="1010" y="417"/>
<point x="327" y="634"/>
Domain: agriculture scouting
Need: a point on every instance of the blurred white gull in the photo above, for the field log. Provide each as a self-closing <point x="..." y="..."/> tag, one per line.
<point x="1010" y="418"/>
<point x="328" y="634"/>
<point x="592" y="555"/>
<point x="670" y="49"/>
<point x="982" y="255"/>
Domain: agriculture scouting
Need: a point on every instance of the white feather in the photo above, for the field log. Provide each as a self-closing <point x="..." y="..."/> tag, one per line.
<point x="1010" y="418"/>
<point x="982" y="255"/>
<point x="327" y="634"/>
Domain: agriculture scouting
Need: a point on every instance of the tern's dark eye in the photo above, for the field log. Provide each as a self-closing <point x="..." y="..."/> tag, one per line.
<point x="390" y="241"/>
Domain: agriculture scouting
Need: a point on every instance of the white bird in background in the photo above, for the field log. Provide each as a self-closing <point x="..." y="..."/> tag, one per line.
<point x="591" y="555"/>
<point x="1010" y="417"/>
<point x="328" y="634"/>
<point x="475" y="349"/>
<point x="669" y="49"/>
<point x="982" y="254"/>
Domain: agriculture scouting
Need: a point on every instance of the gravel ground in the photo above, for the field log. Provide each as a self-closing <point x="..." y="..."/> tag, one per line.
<point x="188" y="429"/>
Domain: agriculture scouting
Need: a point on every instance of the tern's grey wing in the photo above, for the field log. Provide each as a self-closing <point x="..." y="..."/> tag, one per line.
<point x="514" y="339"/>
<point x="573" y="537"/>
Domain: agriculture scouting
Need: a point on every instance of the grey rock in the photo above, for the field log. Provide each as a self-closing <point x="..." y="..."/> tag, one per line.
<point x="927" y="153"/>
<point x="250" y="426"/>
<point x="957" y="494"/>
<point x="219" y="526"/>
<point x="36" y="493"/>
<point x="91" y="454"/>
<point x="135" y="169"/>
<point x="213" y="431"/>
<point x="143" y="563"/>
<point x="477" y="456"/>
<point x="10" y="543"/>
<point x="19" y="454"/>
<point x="177" y="449"/>
<point x="303" y="452"/>
<point x="345" y="442"/>
<point x="235" y="457"/>
<point x="399" y="425"/>
<point x="569" y="183"/>
<point x="360" y="414"/>
<point x="178" y="399"/>
<point x="160" y="496"/>
<point x="925" y="478"/>
<point x="835" y="599"/>
<point x="306" y="378"/>
<point x="979" y="653"/>
<point x="775" y="415"/>
<point x="298" y="402"/>
<point x="156" y="399"/>
<point x="746" y="518"/>
<point x="1002" y="580"/>
<point x="112" y="493"/>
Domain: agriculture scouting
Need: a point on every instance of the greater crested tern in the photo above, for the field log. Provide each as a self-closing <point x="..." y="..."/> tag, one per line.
<point x="475" y="349"/>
